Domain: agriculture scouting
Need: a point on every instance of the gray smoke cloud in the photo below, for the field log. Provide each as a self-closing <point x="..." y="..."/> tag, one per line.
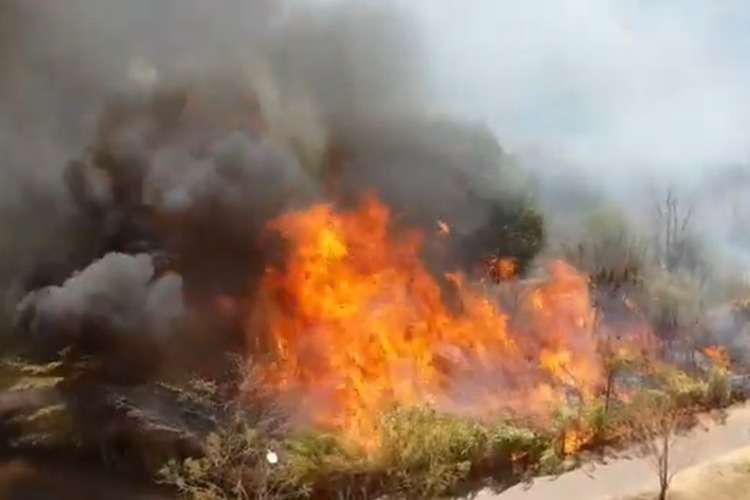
<point x="176" y="129"/>
<point x="611" y="103"/>
<point x="121" y="294"/>
<point x="657" y="88"/>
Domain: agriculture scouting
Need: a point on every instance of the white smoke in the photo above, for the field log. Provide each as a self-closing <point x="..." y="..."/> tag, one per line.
<point x="659" y="87"/>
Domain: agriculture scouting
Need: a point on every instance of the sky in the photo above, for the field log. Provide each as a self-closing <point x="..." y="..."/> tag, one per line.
<point x="622" y="88"/>
<point x="632" y="85"/>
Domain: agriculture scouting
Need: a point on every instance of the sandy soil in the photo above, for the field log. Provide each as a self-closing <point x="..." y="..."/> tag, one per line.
<point x="727" y="478"/>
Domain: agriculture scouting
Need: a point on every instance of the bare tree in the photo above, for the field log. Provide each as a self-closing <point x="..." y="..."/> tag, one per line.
<point x="673" y="218"/>
<point x="615" y="361"/>
<point x="655" y="423"/>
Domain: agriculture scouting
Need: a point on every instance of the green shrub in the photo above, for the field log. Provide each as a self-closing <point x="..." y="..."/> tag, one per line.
<point x="513" y="452"/>
<point x="421" y="454"/>
<point x="233" y="466"/>
<point x="684" y="390"/>
<point x="718" y="390"/>
<point x="319" y="465"/>
<point x="550" y="461"/>
<point x="425" y="454"/>
<point x="507" y="441"/>
<point x="597" y="420"/>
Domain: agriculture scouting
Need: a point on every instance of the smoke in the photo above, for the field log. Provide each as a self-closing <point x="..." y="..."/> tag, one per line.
<point x="611" y="104"/>
<point x="146" y="144"/>
<point x="178" y="129"/>
<point x="156" y="140"/>
<point x="659" y="89"/>
<point x="118" y="294"/>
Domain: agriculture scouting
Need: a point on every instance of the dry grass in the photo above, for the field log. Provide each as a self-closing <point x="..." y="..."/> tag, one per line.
<point x="423" y="454"/>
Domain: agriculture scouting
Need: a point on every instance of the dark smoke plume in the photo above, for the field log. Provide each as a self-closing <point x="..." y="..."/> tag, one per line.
<point x="174" y="132"/>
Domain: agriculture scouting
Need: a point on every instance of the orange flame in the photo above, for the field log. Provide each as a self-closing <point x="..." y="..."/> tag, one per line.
<point x="503" y="268"/>
<point x="718" y="355"/>
<point x="574" y="440"/>
<point x="359" y="325"/>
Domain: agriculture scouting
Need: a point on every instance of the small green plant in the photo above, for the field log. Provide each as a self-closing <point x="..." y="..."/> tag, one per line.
<point x="597" y="419"/>
<point x="426" y="454"/>
<point x="685" y="391"/>
<point x="510" y="442"/>
<point x="234" y="465"/>
<point x="513" y="451"/>
<point x="718" y="390"/>
<point x="321" y="465"/>
<point x="420" y="453"/>
<point x="656" y="419"/>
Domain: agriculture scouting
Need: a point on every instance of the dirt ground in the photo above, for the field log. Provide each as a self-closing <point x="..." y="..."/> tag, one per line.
<point x="727" y="478"/>
<point x="25" y="479"/>
<point x="625" y="477"/>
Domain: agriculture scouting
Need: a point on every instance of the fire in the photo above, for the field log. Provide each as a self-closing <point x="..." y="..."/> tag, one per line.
<point x="574" y="440"/>
<point x="718" y="355"/>
<point x="359" y="325"/>
<point x="502" y="269"/>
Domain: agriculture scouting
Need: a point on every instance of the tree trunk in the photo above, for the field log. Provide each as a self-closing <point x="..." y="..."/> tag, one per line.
<point x="608" y="391"/>
<point x="664" y="466"/>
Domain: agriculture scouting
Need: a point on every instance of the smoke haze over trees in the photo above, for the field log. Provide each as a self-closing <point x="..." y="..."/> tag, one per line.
<point x="145" y="146"/>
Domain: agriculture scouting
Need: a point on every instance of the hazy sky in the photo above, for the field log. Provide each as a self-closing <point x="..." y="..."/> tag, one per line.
<point x="665" y="84"/>
<point x="652" y="85"/>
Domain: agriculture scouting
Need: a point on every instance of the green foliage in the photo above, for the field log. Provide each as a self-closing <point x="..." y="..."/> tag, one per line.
<point x="318" y="464"/>
<point x="550" y="462"/>
<point x="685" y="391"/>
<point x="649" y="406"/>
<point x="718" y="390"/>
<point x="508" y="442"/>
<point x="655" y="420"/>
<point x="513" y="230"/>
<point x="233" y="466"/>
<point x="421" y="454"/>
<point x="426" y="454"/>
<point x="584" y="424"/>
<point x="565" y="415"/>
<point x="710" y="390"/>
<point x="597" y="421"/>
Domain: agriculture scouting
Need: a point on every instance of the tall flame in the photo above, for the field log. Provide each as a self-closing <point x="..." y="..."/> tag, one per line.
<point x="358" y="324"/>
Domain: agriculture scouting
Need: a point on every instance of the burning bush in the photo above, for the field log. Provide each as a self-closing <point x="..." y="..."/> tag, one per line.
<point x="377" y="264"/>
<point x="429" y="453"/>
<point x="358" y="324"/>
<point x="424" y="454"/>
